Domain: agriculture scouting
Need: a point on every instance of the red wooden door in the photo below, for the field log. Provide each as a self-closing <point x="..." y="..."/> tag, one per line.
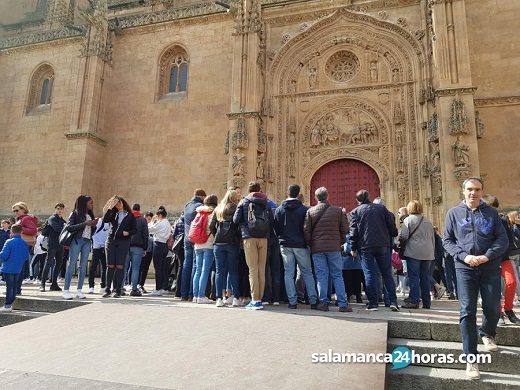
<point x="343" y="178"/>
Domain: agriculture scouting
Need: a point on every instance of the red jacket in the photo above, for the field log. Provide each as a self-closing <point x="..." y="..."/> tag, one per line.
<point x="29" y="224"/>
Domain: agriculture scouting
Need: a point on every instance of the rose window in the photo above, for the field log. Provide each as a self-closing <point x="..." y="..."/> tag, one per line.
<point x="342" y="66"/>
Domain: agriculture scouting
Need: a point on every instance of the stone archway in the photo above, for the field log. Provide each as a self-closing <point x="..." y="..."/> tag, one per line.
<point x="343" y="178"/>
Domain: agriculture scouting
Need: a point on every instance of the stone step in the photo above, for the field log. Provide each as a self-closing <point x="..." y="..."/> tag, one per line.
<point x="35" y="304"/>
<point x="445" y="331"/>
<point x="416" y="377"/>
<point x="17" y="316"/>
<point x="506" y="360"/>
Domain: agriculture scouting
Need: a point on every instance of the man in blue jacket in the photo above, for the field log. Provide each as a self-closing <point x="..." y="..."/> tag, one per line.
<point x="14" y="254"/>
<point x="190" y="211"/>
<point x="475" y="237"/>
<point x="288" y="225"/>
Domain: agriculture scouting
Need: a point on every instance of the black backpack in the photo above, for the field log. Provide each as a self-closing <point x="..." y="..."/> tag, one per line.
<point x="258" y="220"/>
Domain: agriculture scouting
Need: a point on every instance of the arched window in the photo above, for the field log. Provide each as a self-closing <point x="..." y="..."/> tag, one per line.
<point x="173" y="73"/>
<point x="40" y="90"/>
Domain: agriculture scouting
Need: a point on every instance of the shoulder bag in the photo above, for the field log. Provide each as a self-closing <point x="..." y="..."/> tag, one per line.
<point x="402" y="245"/>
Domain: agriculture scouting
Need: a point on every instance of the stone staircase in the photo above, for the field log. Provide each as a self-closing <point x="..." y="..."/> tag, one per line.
<point x="439" y="337"/>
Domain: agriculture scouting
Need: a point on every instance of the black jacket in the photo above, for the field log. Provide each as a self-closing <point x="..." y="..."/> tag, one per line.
<point x="140" y="238"/>
<point x="371" y="225"/>
<point x="54" y="227"/>
<point x="128" y="224"/>
<point x="190" y="211"/>
<point x="288" y="223"/>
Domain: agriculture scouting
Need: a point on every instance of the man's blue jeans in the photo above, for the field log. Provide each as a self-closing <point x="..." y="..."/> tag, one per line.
<point x="226" y="262"/>
<point x="80" y="247"/>
<point x="470" y="282"/>
<point x="188" y="270"/>
<point x="135" y="256"/>
<point x="419" y="281"/>
<point x="330" y="264"/>
<point x="302" y="257"/>
<point x="371" y="259"/>
<point x="200" y="279"/>
<point x="11" y="284"/>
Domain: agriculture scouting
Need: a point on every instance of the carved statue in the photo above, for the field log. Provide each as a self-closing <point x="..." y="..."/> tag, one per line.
<point x="400" y="163"/>
<point x="435" y="156"/>
<point x="395" y="75"/>
<point x="460" y="153"/>
<point x="397" y="113"/>
<point x="292" y="142"/>
<point x="313" y="75"/>
<point x="260" y="166"/>
<point x="373" y="71"/>
<point x="291" y="167"/>
<point x="458" y="121"/>
<point x="239" y="164"/>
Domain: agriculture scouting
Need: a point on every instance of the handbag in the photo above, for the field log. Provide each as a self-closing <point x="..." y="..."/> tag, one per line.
<point x="402" y="245"/>
<point x="66" y="237"/>
<point x="178" y="245"/>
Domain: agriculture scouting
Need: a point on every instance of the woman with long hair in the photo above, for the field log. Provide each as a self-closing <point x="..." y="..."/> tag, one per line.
<point x="419" y="254"/>
<point x="118" y="214"/>
<point x="80" y="222"/>
<point x="204" y="254"/>
<point x="226" y="246"/>
<point x="161" y="230"/>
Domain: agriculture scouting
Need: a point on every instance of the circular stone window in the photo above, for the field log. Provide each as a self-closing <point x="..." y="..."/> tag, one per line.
<point x="342" y="66"/>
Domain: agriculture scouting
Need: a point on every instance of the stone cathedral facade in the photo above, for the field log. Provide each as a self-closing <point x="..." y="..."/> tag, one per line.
<point x="151" y="99"/>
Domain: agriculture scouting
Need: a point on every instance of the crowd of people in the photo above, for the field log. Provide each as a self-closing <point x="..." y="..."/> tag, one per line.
<point x="234" y="252"/>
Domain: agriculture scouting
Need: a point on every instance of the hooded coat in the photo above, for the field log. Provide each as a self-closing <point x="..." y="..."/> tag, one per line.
<point x="289" y="218"/>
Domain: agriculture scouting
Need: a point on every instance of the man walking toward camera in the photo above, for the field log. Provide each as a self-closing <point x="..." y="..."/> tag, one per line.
<point x="475" y="237"/>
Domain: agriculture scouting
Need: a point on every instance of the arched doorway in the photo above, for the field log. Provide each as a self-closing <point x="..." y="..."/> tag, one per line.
<point x="343" y="178"/>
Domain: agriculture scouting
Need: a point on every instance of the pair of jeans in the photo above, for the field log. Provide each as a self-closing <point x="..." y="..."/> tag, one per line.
<point x="53" y="260"/>
<point x="471" y="281"/>
<point x="451" y="279"/>
<point x="11" y="285"/>
<point x="372" y="259"/>
<point x="226" y="262"/>
<point x="135" y="256"/>
<point x="419" y="281"/>
<point x="273" y="273"/>
<point x="204" y="261"/>
<point x="187" y="270"/>
<point x="329" y="265"/>
<point x="255" y="250"/>
<point x="79" y="247"/>
<point x="508" y="274"/>
<point x="145" y="266"/>
<point x="98" y="256"/>
<point x="302" y="257"/>
<point x="160" y="250"/>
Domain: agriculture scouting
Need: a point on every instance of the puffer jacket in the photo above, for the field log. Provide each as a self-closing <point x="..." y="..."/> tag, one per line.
<point x="29" y="224"/>
<point x="329" y="234"/>
<point x="371" y="225"/>
<point x="209" y="243"/>
<point x="240" y="217"/>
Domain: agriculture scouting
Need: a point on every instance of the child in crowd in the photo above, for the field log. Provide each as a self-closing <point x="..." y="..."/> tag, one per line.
<point x="40" y="253"/>
<point x="13" y="255"/>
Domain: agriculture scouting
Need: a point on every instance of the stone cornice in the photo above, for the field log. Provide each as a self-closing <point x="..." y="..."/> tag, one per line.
<point x="42" y="36"/>
<point x="497" y="101"/>
<point x="86" y="135"/>
<point x="455" y="91"/>
<point x="243" y="114"/>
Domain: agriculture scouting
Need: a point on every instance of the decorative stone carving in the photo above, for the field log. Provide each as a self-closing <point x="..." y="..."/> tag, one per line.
<point x="435" y="157"/>
<point x="496" y="101"/>
<point x="313" y="77"/>
<point x="460" y="153"/>
<point x="373" y="71"/>
<point x="285" y="38"/>
<point x="238" y="165"/>
<point x="398" y="115"/>
<point x="88" y="135"/>
<point x="422" y="96"/>
<point x="400" y="162"/>
<point x="401" y="186"/>
<point x="240" y="137"/>
<point x="42" y="36"/>
<point x="382" y="15"/>
<point x="263" y="107"/>
<point x="342" y="66"/>
<point x="459" y="121"/>
<point x="437" y="199"/>
<point x="419" y="34"/>
<point x="262" y="140"/>
<point x="291" y="168"/>
<point x="255" y="22"/>
<point x="292" y="142"/>
<point x="399" y="135"/>
<point x="226" y="144"/>
<point x="260" y="165"/>
<point x="479" y="125"/>
<point x="401" y="22"/>
<point x="395" y="76"/>
<point x="433" y="128"/>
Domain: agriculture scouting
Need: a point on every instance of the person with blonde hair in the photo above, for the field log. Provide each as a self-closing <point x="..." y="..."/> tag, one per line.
<point x="226" y="247"/>
<point x="417" y="231"/>
<point x="29" y="230"/>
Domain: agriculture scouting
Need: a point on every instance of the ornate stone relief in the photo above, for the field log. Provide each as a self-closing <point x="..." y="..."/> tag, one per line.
<point x="497" y="101"/>
<point x="239" y="167"/>
<point x="262" y="140"/>
<point x="400" y="162"/>
<point x="433" y="128"/>
<point x="460" y="155"/>
<point x="240" y="139"/>
<point x="398" y="114"/>
<point x="458" y="121"/>
<point x="479" y="125"/>
<point x="402" y="22"/>
<point x="260" y="166"/>
<point x="342" y="66"/>
<point x="62" y="13"/>
<point x="226" y="144"/>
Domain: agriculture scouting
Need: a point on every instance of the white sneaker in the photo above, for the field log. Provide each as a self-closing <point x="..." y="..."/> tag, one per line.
<point x="27" y="281"/>
<point x="194" y="300"/>
<point x="204" y="300"/>
<point x="489" y="344"/>
<point x="516" y="302"/>
<point x="6" y="309"/>
<point x="80" y="295"/>
<point x="229" y="301"/>
<point x="472" y="371"/>
<point x="66" y="295"/>
<point x="102" y="290"/>
<point x="276" y="303"/>
<point x="220" y="302"/>
<point x="91" y="290"/>
<point x="156" y="293"/>
<point x="265" y="303"/>
<point x="37" y="281"/>
<point x="236" y="302"/>
<point x="128" y="287"/>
